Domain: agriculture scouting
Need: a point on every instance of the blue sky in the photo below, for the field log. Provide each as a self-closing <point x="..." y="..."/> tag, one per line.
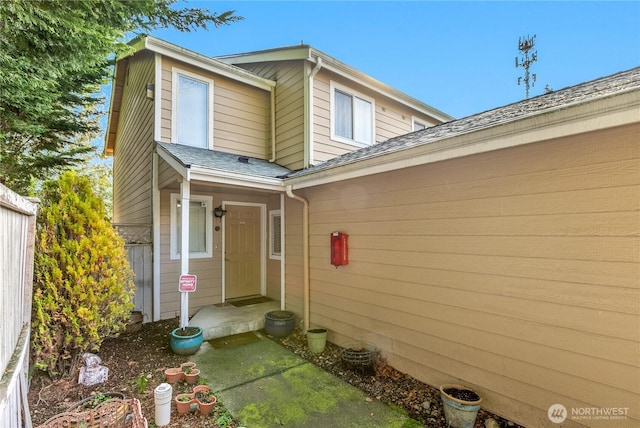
<point x="458" y="57"/>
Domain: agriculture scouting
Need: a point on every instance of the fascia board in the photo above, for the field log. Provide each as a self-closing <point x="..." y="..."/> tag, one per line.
<point x="207" y="63"/>
<point x="194" y="172"/>
<point x="375" y="85"/>
<point x="235" y="179"/>
<point x="608" y="112"/>
<point x="278" y="54"/>
<point x="183" y="170"/>
<point x="308" y="53"/>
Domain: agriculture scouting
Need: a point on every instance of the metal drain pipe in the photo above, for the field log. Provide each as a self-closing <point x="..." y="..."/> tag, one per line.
<point x="305" y="253"/>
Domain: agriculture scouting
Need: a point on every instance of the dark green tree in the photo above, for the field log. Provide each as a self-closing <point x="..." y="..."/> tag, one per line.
<point x="83" y="284"/>
<point x="54" y="55"/>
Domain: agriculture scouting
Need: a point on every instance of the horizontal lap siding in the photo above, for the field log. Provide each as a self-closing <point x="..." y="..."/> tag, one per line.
<point x="241" y="116"/>
<point x="208" y="270"/>
<point x="289" y="104"/>
<point x="391" y="118"/>
<point x="515" y="271"/>
<point x="134" y="146"/>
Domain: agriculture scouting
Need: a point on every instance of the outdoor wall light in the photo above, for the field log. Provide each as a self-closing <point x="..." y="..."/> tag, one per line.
<point x="150" y="90"/>
<point x="219" y="212"/>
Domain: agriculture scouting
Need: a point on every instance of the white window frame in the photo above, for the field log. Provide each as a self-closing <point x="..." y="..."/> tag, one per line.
<point x="272" y="234"/>
<point x="336" y="86"/>
<point x="176" y="73"/>
<point x="416" y="121"/>
<point x="173" y="240"/>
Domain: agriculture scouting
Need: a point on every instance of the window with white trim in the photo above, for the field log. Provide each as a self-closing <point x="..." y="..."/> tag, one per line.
<point x="200" y="227"/>
<point x="275" y="234"/>
<point x="192" y="109"/>
<point x="352" y="116"/>
<point x="418" y="125"/>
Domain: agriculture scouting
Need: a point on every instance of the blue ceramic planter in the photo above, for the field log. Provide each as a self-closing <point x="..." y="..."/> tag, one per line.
<point x="279" y="323"/>
<point x="186" y="344"/>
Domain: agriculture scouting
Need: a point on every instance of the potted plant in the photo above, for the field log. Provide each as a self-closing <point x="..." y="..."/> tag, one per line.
<point x="173" y="374"/>
<point x="191" y="374"/>
<point x="317" y="339"/>
<point x="186" y="340"/>
<point x="184" y="403"/>
<point x="279" y="323"/>
<point x="461" y="405"/>
<point x="205" y="398"/>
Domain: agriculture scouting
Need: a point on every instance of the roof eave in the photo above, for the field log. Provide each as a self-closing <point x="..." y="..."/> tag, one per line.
<point x="606" y="112"/>
<point x="207" y="63"/>
<point x="219" y="176"/>
<point x="308" y="53"/>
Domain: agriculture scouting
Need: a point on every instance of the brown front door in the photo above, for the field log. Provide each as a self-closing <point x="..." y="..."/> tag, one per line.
<point x="242" y="251"/>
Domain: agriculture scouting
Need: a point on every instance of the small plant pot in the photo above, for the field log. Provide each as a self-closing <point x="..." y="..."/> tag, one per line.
<point x="461" y="405"/>
<point x="186" y="341"/>
<point x="173" y="375"/>
<point x="192" y="376"/>
<point x="279" y="323"/>
<point x="185" y="403"/>
<point x="205" y="398"/>
<point x="317" y="340"/>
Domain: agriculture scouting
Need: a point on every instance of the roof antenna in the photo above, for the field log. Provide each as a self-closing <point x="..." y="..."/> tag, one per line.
<point x="524" y="46"/>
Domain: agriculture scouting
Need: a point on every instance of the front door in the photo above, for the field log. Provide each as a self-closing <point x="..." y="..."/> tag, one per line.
<point x="242" y="251"/>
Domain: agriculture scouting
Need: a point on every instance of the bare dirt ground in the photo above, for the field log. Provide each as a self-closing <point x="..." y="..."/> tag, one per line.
<point x="137" y="361"/>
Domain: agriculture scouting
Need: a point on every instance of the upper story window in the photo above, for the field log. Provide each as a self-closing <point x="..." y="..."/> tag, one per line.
<point x="418" y="125"/>
<point x="192" y="109"/>
<point x="352" y="119"/>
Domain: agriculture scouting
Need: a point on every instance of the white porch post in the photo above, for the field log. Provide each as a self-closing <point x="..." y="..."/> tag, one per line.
<point x="185" y="196"/>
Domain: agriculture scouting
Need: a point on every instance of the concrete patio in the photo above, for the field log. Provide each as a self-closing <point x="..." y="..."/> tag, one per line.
<point x="225" y="319"/>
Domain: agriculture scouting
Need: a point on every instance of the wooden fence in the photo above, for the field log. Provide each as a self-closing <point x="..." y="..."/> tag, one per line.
<point x="17" y="237"/>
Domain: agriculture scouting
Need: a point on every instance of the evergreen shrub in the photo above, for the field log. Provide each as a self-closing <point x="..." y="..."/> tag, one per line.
<point x="83" y="284"/>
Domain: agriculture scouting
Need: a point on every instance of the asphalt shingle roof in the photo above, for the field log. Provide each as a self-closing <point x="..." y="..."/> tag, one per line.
<point x="222" y="161"/>
<point x="581" y="93"/>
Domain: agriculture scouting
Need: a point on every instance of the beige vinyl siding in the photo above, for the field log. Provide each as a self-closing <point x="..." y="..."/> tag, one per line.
<point x="391" y="118"/>
<point x="134" y="145"/>
<point x="289" y="76"/>
<point x="514" y="271"/>
<point x="241" y="117"/>
<point x="208" y="270"/>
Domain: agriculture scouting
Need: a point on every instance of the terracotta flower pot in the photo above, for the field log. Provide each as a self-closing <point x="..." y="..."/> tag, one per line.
<point x="205" y="398"/>
<point x="185" y="403"/>
<point x="191" y="376"/>
<point x="173" y="375"/>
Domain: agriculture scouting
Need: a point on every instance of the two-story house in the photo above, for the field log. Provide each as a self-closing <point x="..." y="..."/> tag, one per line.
<point x="500" y="250"/>
<point x="188" y="130"/>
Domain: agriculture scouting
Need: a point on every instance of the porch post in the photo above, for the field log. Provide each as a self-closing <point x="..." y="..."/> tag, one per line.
<point x="185" y="196"/>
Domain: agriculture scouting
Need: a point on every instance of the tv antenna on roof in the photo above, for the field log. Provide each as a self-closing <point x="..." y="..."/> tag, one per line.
<point x="525" y="45"/>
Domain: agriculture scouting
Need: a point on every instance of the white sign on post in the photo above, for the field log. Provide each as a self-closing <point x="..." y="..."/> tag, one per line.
<point x="187" y="283"/>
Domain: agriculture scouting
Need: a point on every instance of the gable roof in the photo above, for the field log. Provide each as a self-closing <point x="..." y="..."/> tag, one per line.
<point x="222" y="167"/>
<point x="170" y="50"/>
<point x="457" y="137"/>
<point x="314" y="56"/>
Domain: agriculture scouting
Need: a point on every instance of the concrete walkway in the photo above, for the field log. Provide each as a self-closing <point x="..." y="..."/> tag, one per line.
<point x="265" y="385"/>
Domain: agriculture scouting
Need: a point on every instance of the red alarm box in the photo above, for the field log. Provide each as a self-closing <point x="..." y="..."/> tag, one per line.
<point x="339" y="249"/>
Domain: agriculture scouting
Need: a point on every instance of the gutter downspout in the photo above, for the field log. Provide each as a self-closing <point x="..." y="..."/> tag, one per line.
<point x="309" y="99"/>
<point x="273" y="125"/>
<point x="305" y="254"/>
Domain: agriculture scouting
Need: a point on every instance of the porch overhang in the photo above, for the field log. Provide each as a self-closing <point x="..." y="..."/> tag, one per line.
<point x="222" y="171"/>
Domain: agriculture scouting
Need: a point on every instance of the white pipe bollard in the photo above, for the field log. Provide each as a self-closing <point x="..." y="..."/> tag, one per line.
<point x="162" y="397"/>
